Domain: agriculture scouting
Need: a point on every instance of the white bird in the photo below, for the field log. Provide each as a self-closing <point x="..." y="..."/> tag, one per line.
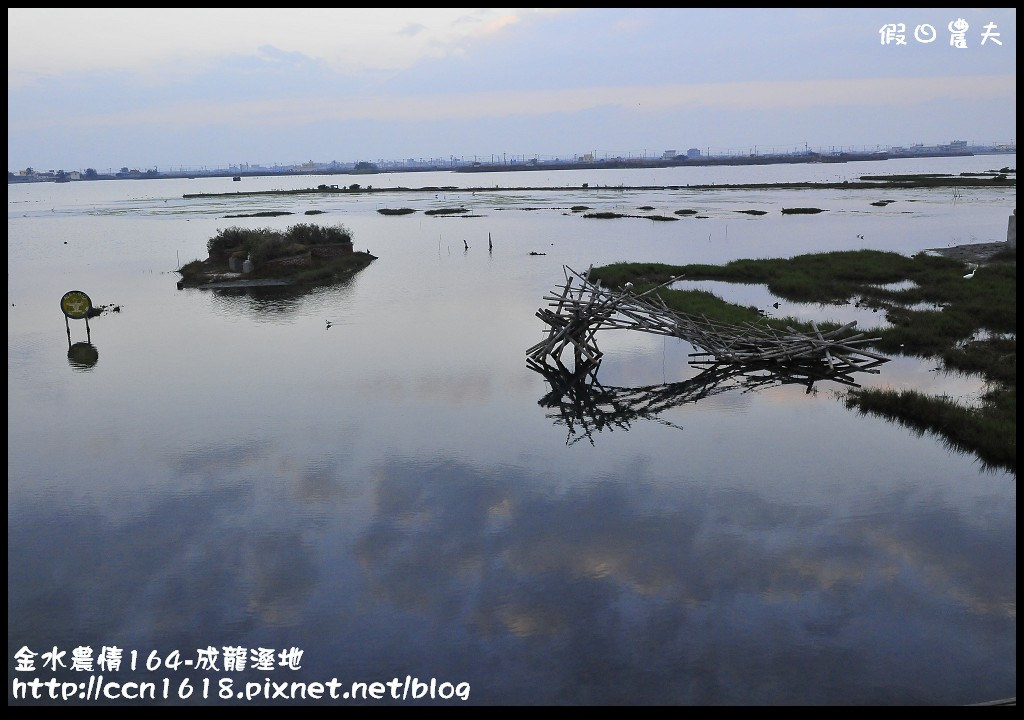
<point x="974" y="269"/>
<point x="628" y="286"/>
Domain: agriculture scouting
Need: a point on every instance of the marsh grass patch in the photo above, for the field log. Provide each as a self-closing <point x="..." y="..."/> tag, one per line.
<point x="446" y="211"/>
<point x="984" y="305"/>
<point x="263" y="213"/>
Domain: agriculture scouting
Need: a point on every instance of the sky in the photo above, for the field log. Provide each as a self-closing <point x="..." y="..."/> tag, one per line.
<point x="171" y="88"/>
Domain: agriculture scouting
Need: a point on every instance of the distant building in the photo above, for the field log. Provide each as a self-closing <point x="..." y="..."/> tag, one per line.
<point x="693" y="153"/>
<point x="587" y="157"/>
<point x="669" y="155"/>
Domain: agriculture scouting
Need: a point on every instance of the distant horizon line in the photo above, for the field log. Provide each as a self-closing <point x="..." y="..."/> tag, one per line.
<point x="452" y="161"/>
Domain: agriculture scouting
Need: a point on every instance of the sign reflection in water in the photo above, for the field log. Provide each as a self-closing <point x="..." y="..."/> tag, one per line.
<point x="390" y="498"/>
<point x="83" y="355"/>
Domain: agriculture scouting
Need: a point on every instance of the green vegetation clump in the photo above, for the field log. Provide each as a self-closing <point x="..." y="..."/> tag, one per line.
<point x="233" y="239"/>
<point x="261" y="245"/>
<point x="917" y="176"/>
<point x="193" y="268"/>
<point x="614" y="215"/>
<point x="395" y="211"/>
<point x="753" y="212"/>
<point x="989" y="432"/>
<point x="264" y="213"/>
<point x="446" y="211"/>
<point x="686" y="212"/>
<point x="579" y="208"/>
<point x="310" y="234"/>
<point x="801" y="211"/>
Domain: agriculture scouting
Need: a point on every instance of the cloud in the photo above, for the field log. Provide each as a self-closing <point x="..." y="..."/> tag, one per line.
<point x="614" y="588"/>
<point x="166" y="86"/>
<point x="497" y="24"/>
<point x="707" y="585"/>
<point x="747" y="96"/>
<point x="47" y="42"/>
<point x="412" y="29"/>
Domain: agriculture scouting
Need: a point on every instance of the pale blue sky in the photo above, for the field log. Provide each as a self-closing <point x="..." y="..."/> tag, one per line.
<point x="167" y="88"/>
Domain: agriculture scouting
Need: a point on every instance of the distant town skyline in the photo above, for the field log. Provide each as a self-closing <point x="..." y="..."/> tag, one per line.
<point x="105" y="88"/>
<point x="693" y="154"/>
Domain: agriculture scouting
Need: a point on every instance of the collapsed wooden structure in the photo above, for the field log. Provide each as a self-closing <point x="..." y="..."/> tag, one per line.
<point x="581" y="310"/>
<point x="580" y="402"/>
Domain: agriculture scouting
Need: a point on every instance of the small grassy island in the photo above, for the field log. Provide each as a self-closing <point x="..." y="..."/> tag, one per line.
<point x="970" y="326"/>
<point x="304" y="254"/>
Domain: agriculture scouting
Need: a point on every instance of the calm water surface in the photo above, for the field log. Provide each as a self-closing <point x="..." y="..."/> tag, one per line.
<point x="401" y="495"/>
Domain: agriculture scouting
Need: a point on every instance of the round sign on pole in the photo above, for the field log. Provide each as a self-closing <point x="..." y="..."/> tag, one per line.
<point x="75" y="304"/>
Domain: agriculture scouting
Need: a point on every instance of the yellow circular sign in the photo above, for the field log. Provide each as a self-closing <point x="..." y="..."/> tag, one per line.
<point x="75" y="304"/>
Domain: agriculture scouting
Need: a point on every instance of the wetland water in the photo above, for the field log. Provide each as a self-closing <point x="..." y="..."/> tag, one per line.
<point x="392" y="497"/>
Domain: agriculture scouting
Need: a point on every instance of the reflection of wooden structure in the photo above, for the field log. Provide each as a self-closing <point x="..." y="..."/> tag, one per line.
<point x="580" y="311"/>
<point x="583" y="405"/>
